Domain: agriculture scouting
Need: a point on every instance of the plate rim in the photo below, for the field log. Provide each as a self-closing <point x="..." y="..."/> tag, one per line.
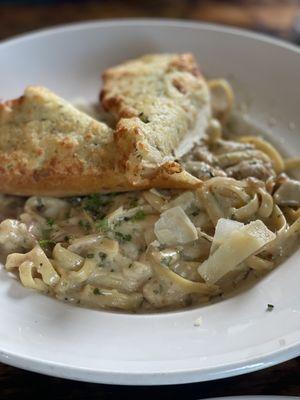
<point x="122" y="377"/>
<point x="165" y="22"/>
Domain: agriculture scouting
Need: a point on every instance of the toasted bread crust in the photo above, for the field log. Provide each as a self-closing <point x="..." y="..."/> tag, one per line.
<point x="158" y="100"/>
<point x="48" y="147"/>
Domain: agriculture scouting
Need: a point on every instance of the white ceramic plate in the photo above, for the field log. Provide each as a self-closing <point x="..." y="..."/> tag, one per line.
<point x="237" y="335"/>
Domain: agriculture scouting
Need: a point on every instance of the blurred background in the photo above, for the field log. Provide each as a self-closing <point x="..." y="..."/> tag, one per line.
<point x="275" y="17"/>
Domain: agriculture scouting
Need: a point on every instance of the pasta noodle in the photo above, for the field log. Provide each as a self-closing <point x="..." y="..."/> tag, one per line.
<point x="162" y="249"/>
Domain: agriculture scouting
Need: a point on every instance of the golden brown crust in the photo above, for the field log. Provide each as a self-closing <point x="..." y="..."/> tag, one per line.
<point x="159" y="100"/>
<point x="68" y="185"/>
<point x="48" y="147"/>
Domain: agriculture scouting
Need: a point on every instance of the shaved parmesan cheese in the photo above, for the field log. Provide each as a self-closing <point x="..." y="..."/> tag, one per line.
<point x="184" y="200"/>
<point x="224" y="228"/>
<point x="240" y="244"/>
<point x="174" y="227"/>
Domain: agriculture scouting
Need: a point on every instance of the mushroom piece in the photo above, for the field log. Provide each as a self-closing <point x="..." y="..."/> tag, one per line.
<point x="288" y="194"/>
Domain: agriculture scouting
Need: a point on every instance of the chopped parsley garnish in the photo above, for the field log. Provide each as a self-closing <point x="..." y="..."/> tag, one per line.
<point x="139" y="216"/>
<point x="95" y="202"/>
<point x="270" y="307"/>
<point x="123" y="237"/>
<point x="143" y="118"/>
<point x="50" y="221"/>
<point x="166" y="260"/>
<point x="90" y="255"/>
<point x="102" y="224"/>
<point x="97" y="292"/>
<point x="45" y="243"/>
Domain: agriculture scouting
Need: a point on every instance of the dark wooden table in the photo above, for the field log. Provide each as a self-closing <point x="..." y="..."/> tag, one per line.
<point x="278" y="17"/>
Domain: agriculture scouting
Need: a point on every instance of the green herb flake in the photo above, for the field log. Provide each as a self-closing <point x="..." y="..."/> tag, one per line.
<point x="139" y="216"/>
<point x="90" y="255"/>
<point x="45" y="243"/>
<point x="166" y="260"/>
<point x="270" y="307"/>
<point x="102" y="224"/>
<point x="143" y="118"/>
<point x="97" y="292"/>
<point x="95" y="202"/>
<point x="50" y="221"/>
<point x="123" y="237"/>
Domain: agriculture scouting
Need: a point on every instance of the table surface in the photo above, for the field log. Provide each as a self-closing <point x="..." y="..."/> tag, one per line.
<point x="277" y="17"/>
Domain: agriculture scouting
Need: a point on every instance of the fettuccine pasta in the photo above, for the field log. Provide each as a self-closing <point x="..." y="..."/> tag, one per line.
<point x="162" y="249"/>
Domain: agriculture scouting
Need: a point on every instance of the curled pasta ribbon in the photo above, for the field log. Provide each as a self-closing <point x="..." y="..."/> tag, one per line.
<point x="66" y="259"/>
<point x="83" y="274"/>
<point x="214" y="130"/>
<point x="259" y="264"/>
<point x="39" y="261"/>
<point x="230" y="159"/>
<point x="183" y="284"/>
<point x="109" y="298"/>
<point x="247" y="211"/>
<point x="286" y="236"/>
<point x="277" y="220"/>
<point x="26" y="271"/>
<point x="222" y="98"/>
<point x="227" y="187"/>
<point x="267" y="148"/>
<point x="224" y="185"/>
<point x="266" y="205"/>
<point x="291" y="213"/>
